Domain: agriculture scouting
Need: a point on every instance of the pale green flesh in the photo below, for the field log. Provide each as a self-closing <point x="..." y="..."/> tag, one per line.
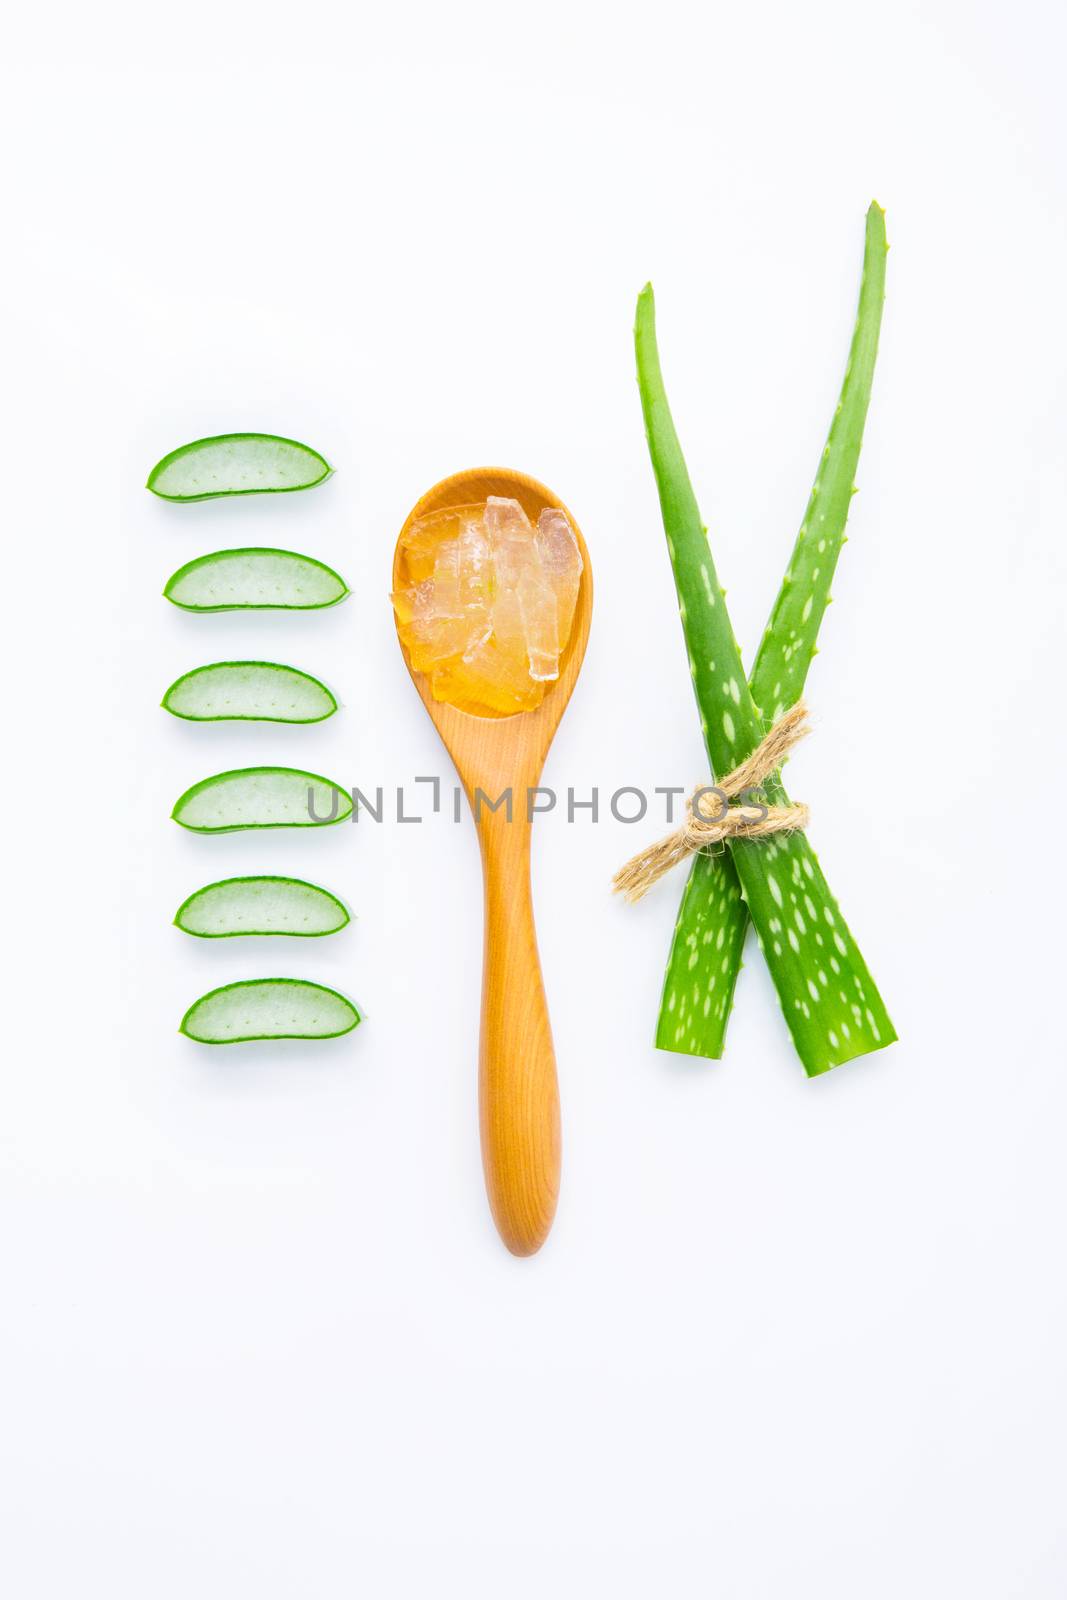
<point x="827" y="995"/>
<point x="229" y="580"/>
<point x="709" y="936"/>
<point x="269" y="1008"/>
<point x="261" y="797"/>
<point x="237" y="463"/>
<point x="261" y="906"/>
<point x="257" y="691"/>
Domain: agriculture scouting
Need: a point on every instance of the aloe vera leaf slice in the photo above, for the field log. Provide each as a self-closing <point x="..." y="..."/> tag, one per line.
<point x="255" y="579"/>
<point x="249" y="691"/>
<point x="262" y="906"/>
<point x="827" y="995"/>
<point x="709" y="935"/>
<point x="262" y="797"/>
<point x="237" y="463"/>
<point x="269" y="1008"/>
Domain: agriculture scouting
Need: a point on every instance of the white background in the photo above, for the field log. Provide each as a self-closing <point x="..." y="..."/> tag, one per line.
<point x="788" y="1338"/>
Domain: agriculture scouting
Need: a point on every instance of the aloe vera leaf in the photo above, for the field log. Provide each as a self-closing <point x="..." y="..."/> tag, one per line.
<point x="712" y="896"/>
<point x="269" y="1008"/>
<point x="237" y="463"/>
<point x="788" y="643"/>
<point x="255" y="579"/>
<point x="266" y="906"/>
<point x="249" y="691"/>
<point x="828" y="998"/>
<point x="261" y="797"/>
<point x="707" y="948"/>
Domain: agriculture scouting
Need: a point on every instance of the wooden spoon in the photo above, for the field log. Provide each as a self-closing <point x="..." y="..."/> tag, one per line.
<point x="517" y="1089"/>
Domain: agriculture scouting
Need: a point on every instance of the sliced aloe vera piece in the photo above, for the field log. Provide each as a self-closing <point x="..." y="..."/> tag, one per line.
<point x="256" y="579"/>
<point x="237" y="906"/>
<point x="249" y="691"/>
<point x="269" y="1008"/>
<point x="262" y="797"/>
<point x="237" y="463"/>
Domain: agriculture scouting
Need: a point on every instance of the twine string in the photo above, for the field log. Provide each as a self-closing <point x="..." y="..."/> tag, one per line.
<point x="702" y="829"/>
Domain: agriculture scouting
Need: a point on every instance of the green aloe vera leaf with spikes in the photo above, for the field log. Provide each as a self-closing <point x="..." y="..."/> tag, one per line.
<point x="828" y="997"/>
<point x="788" y="643"/>
<point x="713" y="918"/>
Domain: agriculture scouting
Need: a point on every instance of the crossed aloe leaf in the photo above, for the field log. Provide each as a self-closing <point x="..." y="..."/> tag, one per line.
<point x="829" y="999"/>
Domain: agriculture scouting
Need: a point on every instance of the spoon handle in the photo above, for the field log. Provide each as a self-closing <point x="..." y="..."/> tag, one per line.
<point x="517" y="1088"/>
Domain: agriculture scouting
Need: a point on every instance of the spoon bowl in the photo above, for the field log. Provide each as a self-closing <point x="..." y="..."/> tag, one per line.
<point x="518" y="1092"/>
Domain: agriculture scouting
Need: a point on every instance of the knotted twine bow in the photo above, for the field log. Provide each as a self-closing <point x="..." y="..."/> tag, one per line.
<point x="745" y="821"/>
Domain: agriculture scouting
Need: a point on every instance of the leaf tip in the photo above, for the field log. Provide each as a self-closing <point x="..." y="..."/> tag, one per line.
<point x="876" y="224"/>
<point x="645" y="313"/>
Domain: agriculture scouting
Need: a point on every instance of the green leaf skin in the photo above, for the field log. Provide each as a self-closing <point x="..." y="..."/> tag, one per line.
<point x="712" y="898"/>
<point x="237" y="463"/>
<point x="255" y="578"/>
<point x="264" y="907"/>
<point x="707" y="949"/>
<point x="828" y="998"/>
<point x="788" y="644"/>
<point x="260" y="797"/>
<point x="249" y="691"/>
<point x="269" y="1008"/>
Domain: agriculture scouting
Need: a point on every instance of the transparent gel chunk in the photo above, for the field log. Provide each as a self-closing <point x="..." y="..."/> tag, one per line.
<point x="487" y="602"/>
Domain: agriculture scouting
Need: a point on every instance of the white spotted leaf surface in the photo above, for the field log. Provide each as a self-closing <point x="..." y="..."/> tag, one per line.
<point x="821" y="1016"/>
<point x="709" y="935"/>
